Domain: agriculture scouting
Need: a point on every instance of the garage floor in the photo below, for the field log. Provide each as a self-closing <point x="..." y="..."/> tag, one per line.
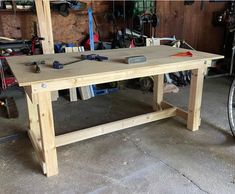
<point x="160" y="157"/>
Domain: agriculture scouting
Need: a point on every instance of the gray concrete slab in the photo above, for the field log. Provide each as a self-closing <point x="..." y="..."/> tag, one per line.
<point x="159" y="157"/>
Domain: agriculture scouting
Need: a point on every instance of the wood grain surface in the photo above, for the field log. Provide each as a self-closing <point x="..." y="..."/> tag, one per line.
<point x="159" y="59"/>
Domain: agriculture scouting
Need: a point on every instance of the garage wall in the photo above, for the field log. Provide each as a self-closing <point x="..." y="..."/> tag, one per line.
<point x="67" y="29"/>
<point x="185" y="22"/>
<point x="192" y="24"/>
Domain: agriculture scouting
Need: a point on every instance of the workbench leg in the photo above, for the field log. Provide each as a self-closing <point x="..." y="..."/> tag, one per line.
<point x="54" y="95"/>
<point x="195" y="99"/>
<point x="158" y="91"/>
<point x="33" y="118"/>
<point x="34" y="132"/>
<point x="47" y="132"/>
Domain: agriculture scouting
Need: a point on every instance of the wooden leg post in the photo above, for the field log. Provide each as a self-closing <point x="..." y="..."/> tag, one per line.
<point x="158" y="91"/>
<point x="33" y="118"/>
<point x="47" y="133"/>
<point x="195" y="99"/>
<point x="34" y="132"/>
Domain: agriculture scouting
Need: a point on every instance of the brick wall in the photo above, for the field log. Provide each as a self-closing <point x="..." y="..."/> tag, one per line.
<point x="72" y="28"/>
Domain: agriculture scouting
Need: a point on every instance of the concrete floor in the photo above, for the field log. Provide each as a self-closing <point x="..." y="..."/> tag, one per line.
<point x="160" y="157"/>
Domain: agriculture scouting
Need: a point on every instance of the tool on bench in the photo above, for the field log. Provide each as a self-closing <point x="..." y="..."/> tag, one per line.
<point x="135" y="59"/>
<point x="36" y="64"/>
<point x="183" y="54"/>
<point x="92" y="57"/>
<point x="11" y="108"/>
<point x="57" y="65"/>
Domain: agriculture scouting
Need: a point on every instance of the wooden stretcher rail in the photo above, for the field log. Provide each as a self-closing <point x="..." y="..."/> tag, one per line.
<point x="87" y="133"/>
<point x="179" y="112"/>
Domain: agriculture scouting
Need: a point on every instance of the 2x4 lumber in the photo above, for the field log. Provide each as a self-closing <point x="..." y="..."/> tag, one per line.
<point x="195" y="99"/>
<point x="47" y="132"/>
<point x="38" y="150"/>
<point x="73" y="94"/>
<point x="158" y="91"/>
<point x="105" y="77"/>
<point x="34" y="131"/>
<point x="84" y="91"/>
<point x="179" y="112"/>
<point x="32" y="97"/>
<point x="45" y="25"/>
<point x="45" y="28"/>
<point x="72" y="91"/>
<point x="91" y="132"/>
<point x="54" y="95"/>
<point x="33" y="118"/>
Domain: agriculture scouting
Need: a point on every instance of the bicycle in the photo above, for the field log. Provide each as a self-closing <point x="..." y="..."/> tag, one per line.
<point x="231" y="107"/>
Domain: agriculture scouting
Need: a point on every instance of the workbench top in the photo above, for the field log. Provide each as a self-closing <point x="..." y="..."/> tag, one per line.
<point x="157" y="57"/>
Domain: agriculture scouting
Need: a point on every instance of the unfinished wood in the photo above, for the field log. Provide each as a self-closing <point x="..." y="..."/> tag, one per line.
<point x="72" y="91"/>
<point x="42" y="25"/>
<point x="54" y="95"/>
<point x="34" y="131"/>
<point x="182" y="113"/>
<point x="47" y="133"/>
<point x="45" y="26"/>
<point x="110" y="77"/>
<point x="85" y="92"/>
<point x="73" y="94"/>
<point x="38" y="150"/>
<point x="68" y="49"/>
<point x="158" y="91"/>
<point x="50" y="40"/>
<point x="33" y="118"/>
<point x="195" y="98"/>
<point x="75" y="49"/>
<point x="179" y="111"/>
<point x="159" y="61"/>
<point x="32" y="97"/>
<point x="113" y="126"/>
<point x="28" y="92"/>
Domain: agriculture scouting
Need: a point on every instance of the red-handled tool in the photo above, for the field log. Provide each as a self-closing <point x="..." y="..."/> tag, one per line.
<point x="183" y="54"/>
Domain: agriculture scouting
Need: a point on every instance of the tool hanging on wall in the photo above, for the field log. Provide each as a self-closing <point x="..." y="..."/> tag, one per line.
<point x="91" y="34"/>
<point x="145" y="18"/>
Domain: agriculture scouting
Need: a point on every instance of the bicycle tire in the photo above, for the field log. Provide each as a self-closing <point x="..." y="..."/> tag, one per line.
<point x="231" y="107"/>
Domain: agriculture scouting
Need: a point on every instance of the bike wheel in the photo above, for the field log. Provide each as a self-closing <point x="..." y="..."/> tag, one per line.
<point x="231" y="107"/>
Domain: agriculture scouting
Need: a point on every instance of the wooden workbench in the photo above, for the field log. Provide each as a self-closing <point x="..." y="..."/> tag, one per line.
<point x="38" y="89"/>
